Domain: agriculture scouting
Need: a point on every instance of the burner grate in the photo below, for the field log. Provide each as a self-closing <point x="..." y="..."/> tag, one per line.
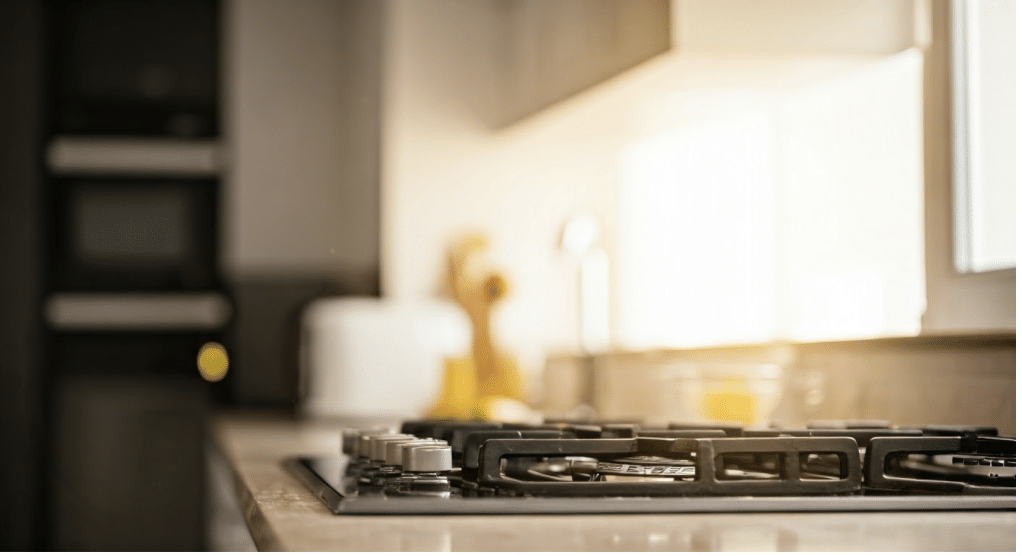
<point x="772" y="466"/>
<point x="479" y="467"/>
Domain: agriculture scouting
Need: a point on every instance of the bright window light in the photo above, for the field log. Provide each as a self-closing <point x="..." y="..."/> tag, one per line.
<point x="801" y="219"/>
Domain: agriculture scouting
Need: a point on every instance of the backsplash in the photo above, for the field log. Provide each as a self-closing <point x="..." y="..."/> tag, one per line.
<point x="923" y="381"/>
<point x="907" y="381"/>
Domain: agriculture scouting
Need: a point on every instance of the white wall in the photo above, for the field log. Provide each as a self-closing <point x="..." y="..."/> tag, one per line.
<point x="790" y="210"/>
<point x="445" y="173"/>
<point x="851" y="227"/>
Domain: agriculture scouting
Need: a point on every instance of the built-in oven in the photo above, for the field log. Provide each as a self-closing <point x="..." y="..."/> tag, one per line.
<point x="137" y="316"/>
<point x="135" y="68"/>
<point x="125" y="233"/>
<point x="138" y="335"/>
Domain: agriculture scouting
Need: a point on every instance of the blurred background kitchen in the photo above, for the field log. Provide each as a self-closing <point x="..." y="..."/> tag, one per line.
<point x="250" y="204"/>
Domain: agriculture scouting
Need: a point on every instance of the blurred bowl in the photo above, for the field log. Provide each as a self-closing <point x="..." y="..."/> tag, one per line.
<point x="744" y="393"/>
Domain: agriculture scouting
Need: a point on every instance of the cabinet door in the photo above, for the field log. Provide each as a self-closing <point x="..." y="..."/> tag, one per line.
<point x="549" y="50"/>
<point x="128" y="463"/>
<point x="135" y="68"/>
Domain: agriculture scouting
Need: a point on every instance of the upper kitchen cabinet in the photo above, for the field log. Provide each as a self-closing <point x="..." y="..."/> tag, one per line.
<point x="499" y="61"/>
<point x="799" y="26"/>
<point x="495" y="62"/>
<point x="546" y="51"/>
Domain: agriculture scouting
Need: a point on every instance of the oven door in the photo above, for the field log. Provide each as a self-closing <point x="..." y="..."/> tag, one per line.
<point x="134" y="234"/>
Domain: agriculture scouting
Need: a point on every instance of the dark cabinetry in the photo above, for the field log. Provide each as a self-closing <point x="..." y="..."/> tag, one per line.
<point x="21" y="251"/>
<point x="132" y="290"/>
<point x="137" y="68"/>
<point x="127" y="462"/>
<point x="134" y="233"/>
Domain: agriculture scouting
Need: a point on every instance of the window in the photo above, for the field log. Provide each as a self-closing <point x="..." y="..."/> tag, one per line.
<point x="984" y="98"/>
<point x="964" y="301"/>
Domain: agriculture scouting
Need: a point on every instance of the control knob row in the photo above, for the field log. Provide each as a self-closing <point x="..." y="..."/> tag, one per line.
<point x="413" y="454"/>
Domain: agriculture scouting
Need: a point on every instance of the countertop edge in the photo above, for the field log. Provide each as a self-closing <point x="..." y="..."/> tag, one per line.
<point x="282" y="515"/>
<point x="263" y="535"/>
<point x="259" y="527"/>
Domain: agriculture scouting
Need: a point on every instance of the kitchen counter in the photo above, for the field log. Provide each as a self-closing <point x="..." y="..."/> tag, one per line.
<point x="281" y="514"/>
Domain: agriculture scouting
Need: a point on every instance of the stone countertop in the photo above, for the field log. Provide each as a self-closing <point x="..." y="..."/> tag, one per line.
<point x="282" y="514"/>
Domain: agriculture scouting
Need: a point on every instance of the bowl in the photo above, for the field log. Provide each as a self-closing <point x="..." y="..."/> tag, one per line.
<point x="742" y="393"/>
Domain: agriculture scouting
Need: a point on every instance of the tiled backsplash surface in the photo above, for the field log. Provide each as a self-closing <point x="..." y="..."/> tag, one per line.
<point x="970" y="380"/>
<point x="908" y="381"/>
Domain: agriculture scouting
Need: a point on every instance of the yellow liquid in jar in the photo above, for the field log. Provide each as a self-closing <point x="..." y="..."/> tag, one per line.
<point x="729" y="400"/>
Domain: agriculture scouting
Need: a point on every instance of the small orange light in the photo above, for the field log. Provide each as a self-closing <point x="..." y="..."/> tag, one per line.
<point x="212" y="361"/>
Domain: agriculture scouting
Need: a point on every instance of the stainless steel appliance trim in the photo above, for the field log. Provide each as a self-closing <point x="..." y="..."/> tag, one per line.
<point x="137" y="311"/>
<point x="133" y="155"/>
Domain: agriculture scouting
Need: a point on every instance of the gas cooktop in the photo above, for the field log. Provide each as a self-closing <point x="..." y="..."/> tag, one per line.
<point x="474" y="467"/>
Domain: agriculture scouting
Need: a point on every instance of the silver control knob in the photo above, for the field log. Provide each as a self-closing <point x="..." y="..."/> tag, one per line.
<point x="350" y="437"/>
<point x="376" y="449"/>
<point x="364" y="439"/>
<point x="395" y="449"/>
<point x="426" y="459"/>
<point x="378" y="445"/>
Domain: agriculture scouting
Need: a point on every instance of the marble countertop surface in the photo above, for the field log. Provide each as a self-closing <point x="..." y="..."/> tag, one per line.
<point x="282" y="514"/>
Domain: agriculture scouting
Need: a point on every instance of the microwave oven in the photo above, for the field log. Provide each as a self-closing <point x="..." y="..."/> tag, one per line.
<point x="128" y="233"/>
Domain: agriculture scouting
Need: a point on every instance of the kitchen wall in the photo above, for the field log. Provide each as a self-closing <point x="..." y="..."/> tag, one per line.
<point x="309" y="139"/>
<point x="743" y="219"/>
<point x="446" y="172"/>
<point x="907" y="381"/>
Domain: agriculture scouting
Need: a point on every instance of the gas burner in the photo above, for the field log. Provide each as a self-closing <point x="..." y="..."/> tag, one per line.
<point x="626" y="467"/>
